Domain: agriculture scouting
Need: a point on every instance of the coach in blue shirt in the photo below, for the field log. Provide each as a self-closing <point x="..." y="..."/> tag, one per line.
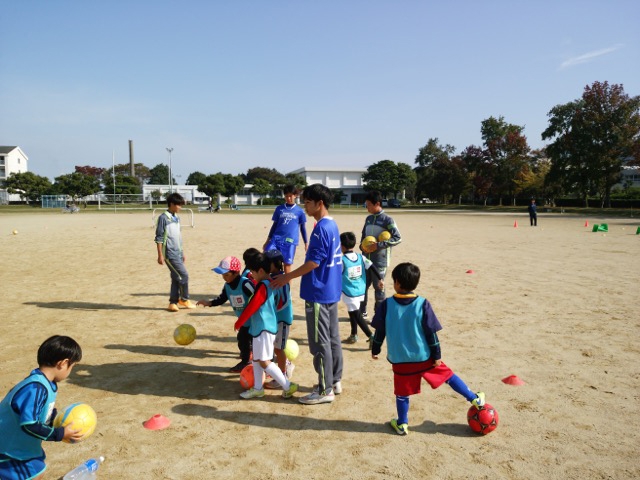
<point x="321" y="288"/>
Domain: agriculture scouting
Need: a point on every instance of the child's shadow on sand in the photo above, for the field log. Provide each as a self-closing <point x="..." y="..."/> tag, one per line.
<point x="283" y="421"/>
<point x="161" y="379"/>
<point x="88" y="306"/>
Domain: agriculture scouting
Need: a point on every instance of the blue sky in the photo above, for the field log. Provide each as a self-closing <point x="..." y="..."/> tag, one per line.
<point x="231" y="85"/>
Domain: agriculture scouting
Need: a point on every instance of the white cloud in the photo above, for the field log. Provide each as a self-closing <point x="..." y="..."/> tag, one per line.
<point x="587" y="57"/>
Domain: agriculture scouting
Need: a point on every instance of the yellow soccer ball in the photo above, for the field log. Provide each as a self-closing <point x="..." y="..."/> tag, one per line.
<point x="384" y="236"/>
<point x="366" y="241"/>
<point x="83" y="417"/>
<point x="291" y="349"/>
<point x="184" y="334"/>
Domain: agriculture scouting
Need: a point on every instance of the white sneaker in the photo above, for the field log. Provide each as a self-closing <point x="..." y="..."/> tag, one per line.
<point x="337" y="387"/>
<point x="315" y="398"/>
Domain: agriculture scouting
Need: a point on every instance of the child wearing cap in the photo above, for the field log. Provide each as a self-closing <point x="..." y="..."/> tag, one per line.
<point x="237" y="290"/>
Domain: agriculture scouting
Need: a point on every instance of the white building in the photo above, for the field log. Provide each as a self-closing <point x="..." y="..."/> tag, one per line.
<point x="12" y="160"/>
<point x="349" y="180"/>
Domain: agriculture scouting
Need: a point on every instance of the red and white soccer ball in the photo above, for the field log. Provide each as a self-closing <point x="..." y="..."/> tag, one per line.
<point x="483" y="420"/>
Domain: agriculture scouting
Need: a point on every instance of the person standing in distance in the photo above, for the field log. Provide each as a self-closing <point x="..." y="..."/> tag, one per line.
<point x="378" y="253"/>
<point x="533" y="213"/>
<point x="321" y="289"/>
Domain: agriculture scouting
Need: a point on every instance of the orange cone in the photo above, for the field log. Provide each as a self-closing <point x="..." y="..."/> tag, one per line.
<point x="515" y="224"/>
<point x="586" y="223"/>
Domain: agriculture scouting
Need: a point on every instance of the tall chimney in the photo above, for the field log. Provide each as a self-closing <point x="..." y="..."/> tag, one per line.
<point x="131" y="162"/>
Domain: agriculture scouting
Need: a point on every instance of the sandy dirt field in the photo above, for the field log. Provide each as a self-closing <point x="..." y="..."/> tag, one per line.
<point x="556" y="305"/>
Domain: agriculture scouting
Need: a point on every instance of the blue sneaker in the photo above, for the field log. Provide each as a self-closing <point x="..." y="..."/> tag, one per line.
<point x="400" y="428"/>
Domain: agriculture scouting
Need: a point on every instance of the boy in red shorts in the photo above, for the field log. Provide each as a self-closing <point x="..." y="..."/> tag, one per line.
<point x="410" y="325"/>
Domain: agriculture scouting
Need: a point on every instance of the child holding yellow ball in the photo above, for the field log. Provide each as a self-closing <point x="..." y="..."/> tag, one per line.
<point x="27" y="412"/>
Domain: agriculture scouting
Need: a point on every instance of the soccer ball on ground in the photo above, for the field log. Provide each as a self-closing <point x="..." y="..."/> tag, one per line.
<point x="483" y="420"/>
<point x="83" y="417"/>
<point x="247" y="380"/>
<point x="184" y="334"/>
<point x="291" y="349"/>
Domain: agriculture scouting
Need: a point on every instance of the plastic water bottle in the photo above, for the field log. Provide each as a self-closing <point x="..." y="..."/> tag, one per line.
<point x="85" y="471"/>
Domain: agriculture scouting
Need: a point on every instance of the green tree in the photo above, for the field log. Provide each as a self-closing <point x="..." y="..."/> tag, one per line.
<point x="381" y="176"/>
<point x="196" y="178"/>
<point x="406" y="180"/>
<point x="212" y="185"/>
<point x="142" y="172"/>
<point x="28" y="185"/>
<point x="232" y="184"/>
<point x="159" y="175"/>
<point x="156" y="195"/>
<point x="271" y="175"/>
<point x="261" y="187"/>
<point x="444" y="179"/>
<point x="507" y="148"/>
<point x="294" y="179"/>
<point x="124" y="185"/>
<point x="433" y="151"/>
<point x="592" y="137"/>
<point x="480" y="171"/>
<point x="77" y="185"/>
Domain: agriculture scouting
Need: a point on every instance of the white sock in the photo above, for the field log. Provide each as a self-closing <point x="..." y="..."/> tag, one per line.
<point x="258" y="374"/>
<point x="275" y="372"/>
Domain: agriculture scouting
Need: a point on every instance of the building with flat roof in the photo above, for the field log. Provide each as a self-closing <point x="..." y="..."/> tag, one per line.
<point x="348" y="180"/>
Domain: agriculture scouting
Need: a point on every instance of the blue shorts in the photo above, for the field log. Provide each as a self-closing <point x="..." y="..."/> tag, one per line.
<point x="11" y="469"/>
<point x="288" y="250"/>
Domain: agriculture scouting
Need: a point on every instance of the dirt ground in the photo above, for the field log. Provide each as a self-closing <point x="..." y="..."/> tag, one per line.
<point x="556" y="305"/>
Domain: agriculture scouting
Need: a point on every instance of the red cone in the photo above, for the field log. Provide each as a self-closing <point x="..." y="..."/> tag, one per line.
<point x="469" y="271"/>
<point x="586" y="223"/>
<point x="157" y="422"/>
<point x="515" y="224"/>
<point x="512" y="380"/>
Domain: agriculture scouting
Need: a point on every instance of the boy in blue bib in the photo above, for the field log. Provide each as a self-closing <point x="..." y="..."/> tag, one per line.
<point x="27" y="412"/>
<point x="413" y="349"/>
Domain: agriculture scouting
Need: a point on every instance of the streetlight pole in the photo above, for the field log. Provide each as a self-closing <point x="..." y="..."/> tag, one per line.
<point x="170" y="185"/>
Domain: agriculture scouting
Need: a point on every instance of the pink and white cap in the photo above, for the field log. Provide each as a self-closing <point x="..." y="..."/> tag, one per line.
<point x="228" y="264"/>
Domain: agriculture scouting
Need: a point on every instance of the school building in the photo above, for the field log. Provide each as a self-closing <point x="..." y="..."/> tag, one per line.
<point x="347" y="180"/>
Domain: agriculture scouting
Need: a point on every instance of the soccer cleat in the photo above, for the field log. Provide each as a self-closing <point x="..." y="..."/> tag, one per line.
<point x="252" y="393"/>
<point x="293" y="388"/>
<point x="478" y="401"/>
<point x="186" y="304"/>
<point x="351" y="339"/>
<point x="173" y="307"/>
<point x="400" y="428"/>
<point x="316" y="398"/>
<point x="238" y="367"/>
<point x="289" y="369"/>
<point x="337" y="387"/>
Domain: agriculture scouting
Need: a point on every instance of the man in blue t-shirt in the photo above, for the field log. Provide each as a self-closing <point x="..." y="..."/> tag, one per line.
<point x="289" y="221"/>
<point x="321" y="288"/>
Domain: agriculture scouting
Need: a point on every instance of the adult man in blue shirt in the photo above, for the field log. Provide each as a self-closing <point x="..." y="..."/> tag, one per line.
<point x="321" y="288"/>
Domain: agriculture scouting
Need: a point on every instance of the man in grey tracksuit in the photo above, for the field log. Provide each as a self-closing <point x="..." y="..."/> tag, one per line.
<point x="379" y="253"/>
